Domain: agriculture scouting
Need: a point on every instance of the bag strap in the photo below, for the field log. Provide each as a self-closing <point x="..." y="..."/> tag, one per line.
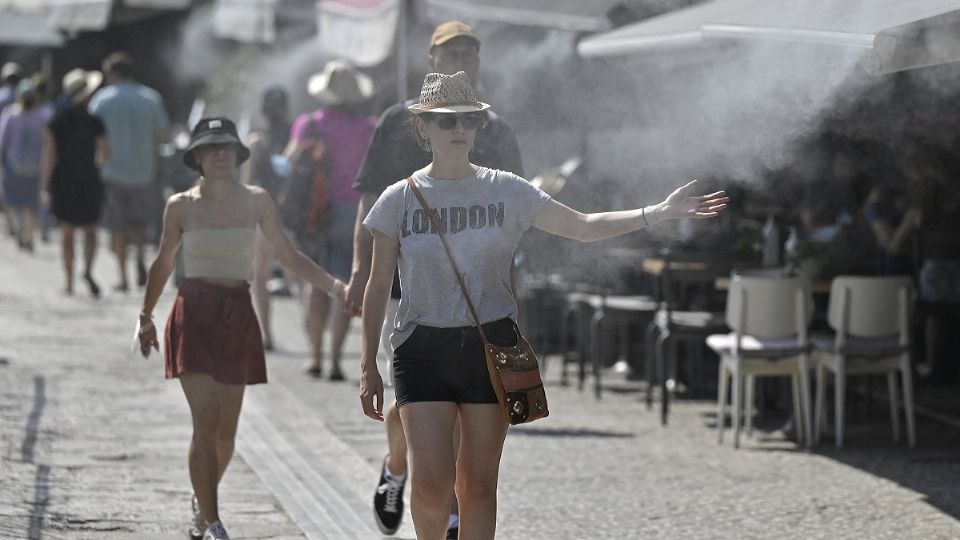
<point x="446" y="246"/>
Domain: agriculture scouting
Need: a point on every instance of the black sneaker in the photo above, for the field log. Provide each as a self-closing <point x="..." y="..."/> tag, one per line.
<point x="388" y="503"/>
<point x="452" y="532"/>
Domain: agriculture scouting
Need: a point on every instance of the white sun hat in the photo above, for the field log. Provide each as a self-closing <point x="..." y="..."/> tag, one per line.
<point x="78" y="84"/>
<point x="340" y="84"/>
<point x="447" y="94"/>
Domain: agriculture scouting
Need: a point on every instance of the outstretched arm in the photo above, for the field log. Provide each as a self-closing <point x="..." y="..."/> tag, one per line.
<point x="288" y="254"/>
<point x="556" y="218"/>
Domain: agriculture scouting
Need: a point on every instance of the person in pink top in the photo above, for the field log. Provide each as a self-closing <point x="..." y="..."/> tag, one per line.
<point x="334" y="137"/>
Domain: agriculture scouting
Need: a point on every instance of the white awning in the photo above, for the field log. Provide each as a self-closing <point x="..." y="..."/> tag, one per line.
<point x="30" y="29"/>
<point x="577" y="15"/>
<point x="80" y="15"/>
<point x="43" y="22"/>
<point x="158" y="4"/>
<point x="894" y="34"/>
<point x="361" y="31"/>
<point x="249" y="21"/>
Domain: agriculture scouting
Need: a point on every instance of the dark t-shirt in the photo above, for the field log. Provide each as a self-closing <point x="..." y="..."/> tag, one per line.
<point x="75" y="132"/>
<point x="263" y="173"/>
<point x="393" y="154"/>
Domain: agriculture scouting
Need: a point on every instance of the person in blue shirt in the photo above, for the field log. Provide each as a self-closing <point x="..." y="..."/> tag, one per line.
<point x="136" y="123"/>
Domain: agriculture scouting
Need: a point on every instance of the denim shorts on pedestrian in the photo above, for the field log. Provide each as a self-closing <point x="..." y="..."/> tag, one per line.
<point x="448" y="364"/>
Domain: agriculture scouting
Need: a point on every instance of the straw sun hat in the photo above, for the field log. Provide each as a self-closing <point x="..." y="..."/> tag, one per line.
<point x="447" y="94"/>
<point x="340" y="84"/>
<point x="79" y="84"/>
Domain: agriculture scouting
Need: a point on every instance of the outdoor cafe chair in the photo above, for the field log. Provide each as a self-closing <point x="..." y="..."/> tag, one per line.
<point x="769" y="316"/>
<point x="870" y="316"/>
<point x="676" y="321"/>
<point x="588" y="314"/>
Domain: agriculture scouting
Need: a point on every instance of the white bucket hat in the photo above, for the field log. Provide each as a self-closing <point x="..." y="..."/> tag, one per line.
<point x="340" y="84"/>
<point x="447" y="94"/>
<point x="78" y="84"/>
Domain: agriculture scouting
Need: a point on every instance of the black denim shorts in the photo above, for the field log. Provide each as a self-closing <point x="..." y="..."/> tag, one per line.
<point x="448" y="364"/>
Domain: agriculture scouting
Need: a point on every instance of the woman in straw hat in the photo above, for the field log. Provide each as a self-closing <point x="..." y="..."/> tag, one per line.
<point x="335" y="138"/>
<point x="440" y="370"/>
<point x="212" y="340"/>
<point x="76" y="146"/>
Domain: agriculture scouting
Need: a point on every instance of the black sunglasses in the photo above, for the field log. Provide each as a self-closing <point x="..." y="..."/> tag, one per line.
<point x="448" y="121"/>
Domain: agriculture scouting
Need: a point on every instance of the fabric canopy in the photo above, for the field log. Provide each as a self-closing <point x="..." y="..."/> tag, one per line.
<point x="897" y="34"/>
<point x="574" y="15"/>
<point x="31" y="29"/>
<point x="361" y="31"/>
<point x="249" y="21"/>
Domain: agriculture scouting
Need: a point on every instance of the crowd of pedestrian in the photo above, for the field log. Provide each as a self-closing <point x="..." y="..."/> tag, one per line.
<point x="88" y="158"/>
<point x="325" y="195"/>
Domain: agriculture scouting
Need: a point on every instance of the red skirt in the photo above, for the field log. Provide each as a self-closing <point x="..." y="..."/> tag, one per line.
<point x="213" y="329"/>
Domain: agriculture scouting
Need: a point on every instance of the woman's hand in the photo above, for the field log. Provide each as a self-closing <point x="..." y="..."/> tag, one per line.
<point x="339" y="292"/>
<point x="680" y="204"/>
<point x="371" y="393"/>
<point x="148" y="337"/>
<point x="354" y="294"/>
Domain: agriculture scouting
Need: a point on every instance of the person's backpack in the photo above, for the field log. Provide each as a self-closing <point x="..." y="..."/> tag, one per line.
<point x="26" y="152"/>
<point x="305" y="206"/>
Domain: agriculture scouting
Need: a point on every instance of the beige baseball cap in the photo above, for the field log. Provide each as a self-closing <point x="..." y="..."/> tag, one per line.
<point x="451" y="29"/>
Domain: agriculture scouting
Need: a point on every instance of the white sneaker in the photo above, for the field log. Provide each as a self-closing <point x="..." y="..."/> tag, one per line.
<point x="216" y="532"/>
<point x="199" y="524"/>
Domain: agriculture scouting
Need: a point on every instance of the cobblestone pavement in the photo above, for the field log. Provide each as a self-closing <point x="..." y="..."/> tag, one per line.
<point x="93" y="446"/>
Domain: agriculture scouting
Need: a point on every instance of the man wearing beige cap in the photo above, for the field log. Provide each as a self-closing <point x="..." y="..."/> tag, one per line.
<point x="392" y="156"/>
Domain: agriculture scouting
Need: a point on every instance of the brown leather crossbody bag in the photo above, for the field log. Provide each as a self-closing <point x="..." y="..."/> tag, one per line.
<point x="514" y="371"/>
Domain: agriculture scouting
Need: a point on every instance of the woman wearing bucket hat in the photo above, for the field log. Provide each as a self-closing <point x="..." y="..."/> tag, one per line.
<point x="440" y="370"/>
<point x="76" y="145"/>
<point x="212" y="341"/>
<point x="333" y="140"/>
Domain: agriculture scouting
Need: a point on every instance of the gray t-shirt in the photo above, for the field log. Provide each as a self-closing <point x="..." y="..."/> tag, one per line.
<point x="484" y="217"/>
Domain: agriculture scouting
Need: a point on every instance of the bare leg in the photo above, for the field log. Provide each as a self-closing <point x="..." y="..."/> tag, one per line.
<point x="397" y="459"/>
<point x="89" y="253"/>
<point x="483" y="430"/>
<point x="119" y="238"/>
<point x="429" y="430"/>
<point x="341" y="325"/>
<point x="262" y="267"/>
<point x="29" y="221"/>
<point x="231" y="398"/>
<point x="204" y="400"/>
<point x="138" y="236"/>
<point x="66" y="247"/>
<point x="318" y="305"/>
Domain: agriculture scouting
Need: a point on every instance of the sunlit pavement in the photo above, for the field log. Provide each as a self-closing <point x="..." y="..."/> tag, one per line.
<point x="94" y="446"/>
